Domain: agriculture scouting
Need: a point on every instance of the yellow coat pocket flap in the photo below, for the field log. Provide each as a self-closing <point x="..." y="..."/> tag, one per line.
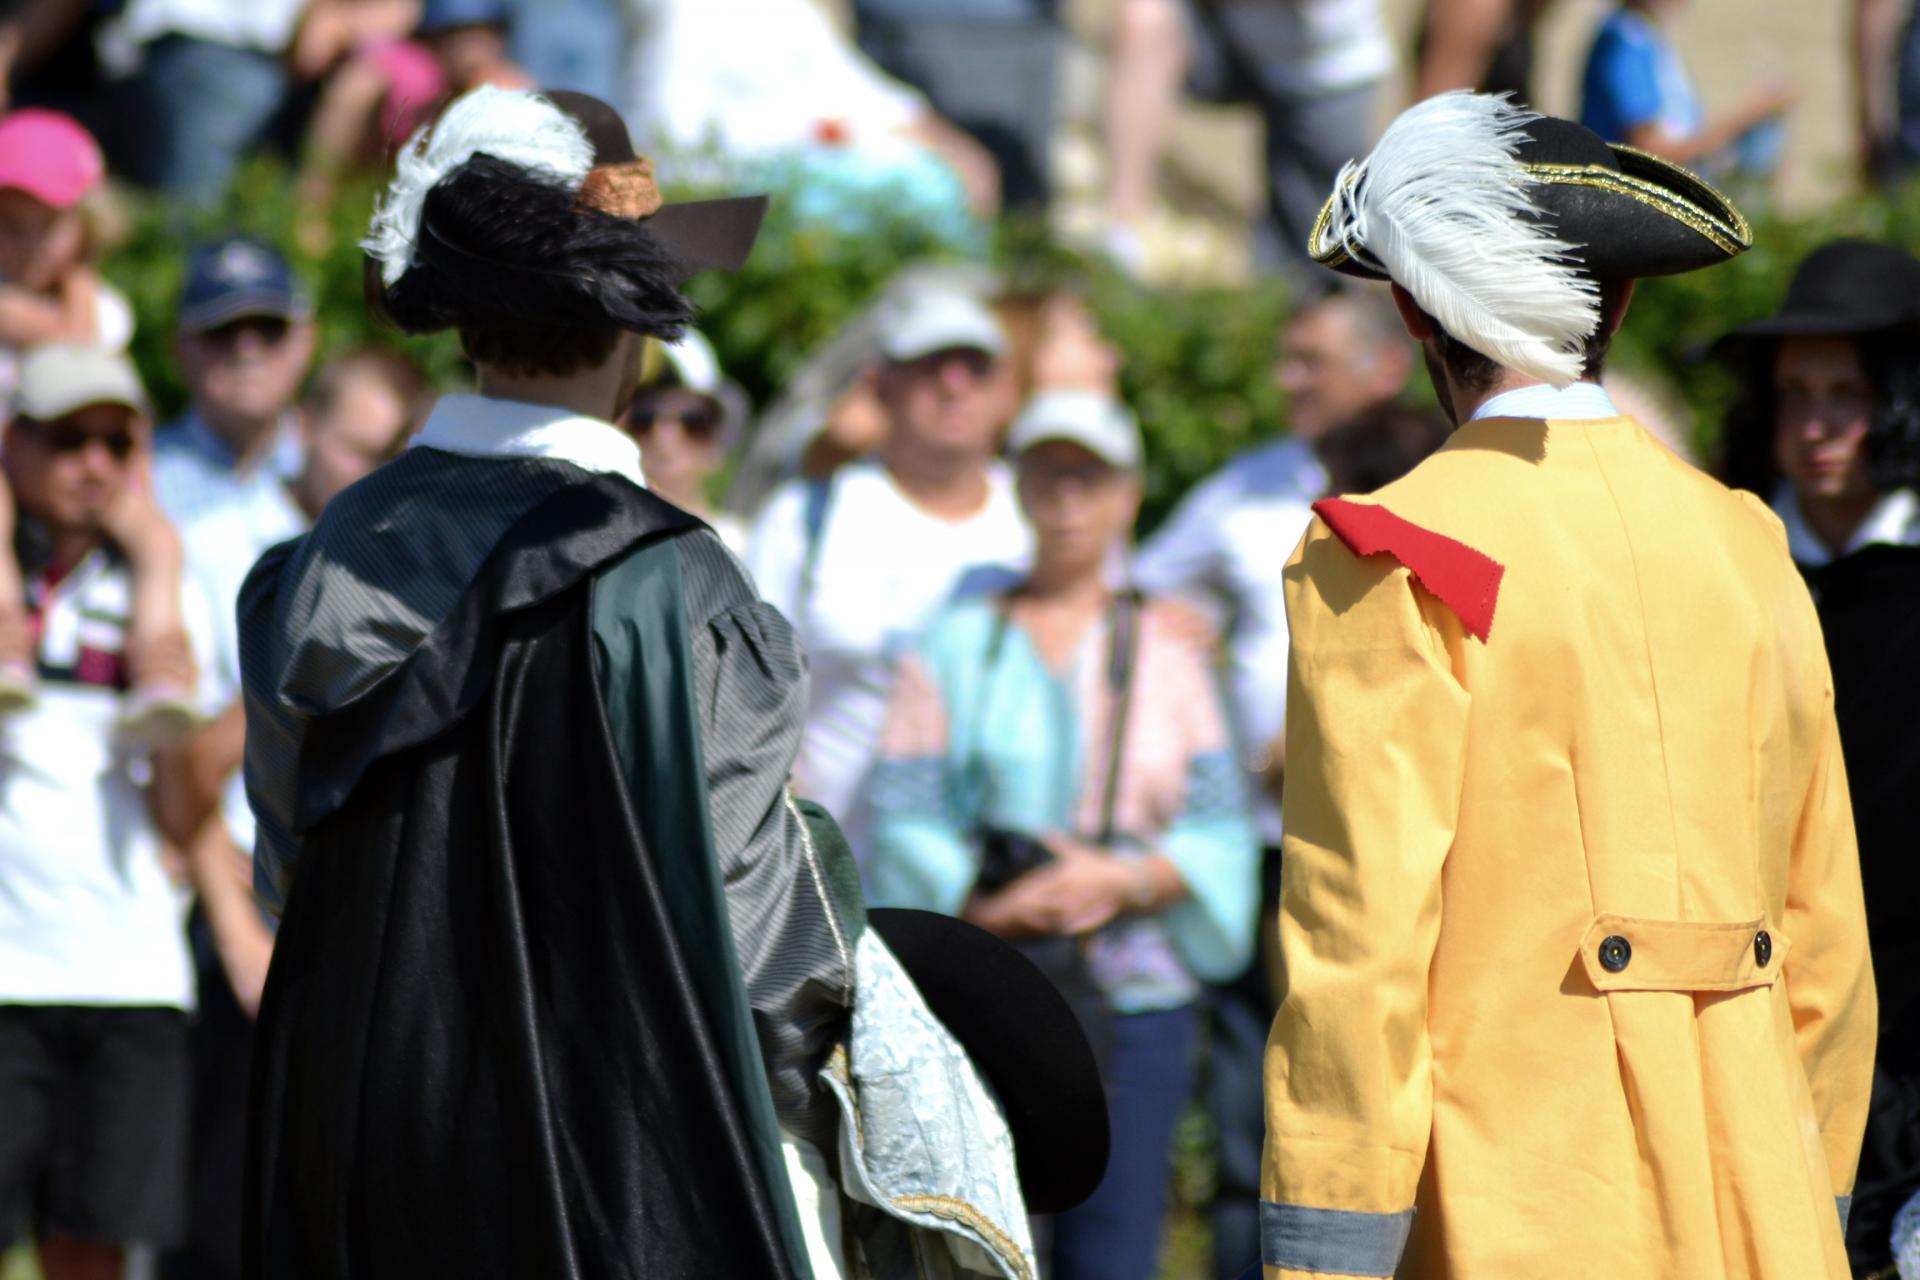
<point x="1621" y="953"/>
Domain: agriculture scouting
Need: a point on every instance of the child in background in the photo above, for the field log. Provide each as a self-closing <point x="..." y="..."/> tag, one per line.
<point x="470" y="39"/>
<point x="1636" y="90"/>
<point x="50" y="293"/>
<point x="389" y="65"/>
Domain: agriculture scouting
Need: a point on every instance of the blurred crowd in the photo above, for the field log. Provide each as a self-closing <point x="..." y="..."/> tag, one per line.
<point x="1019" y="715"/>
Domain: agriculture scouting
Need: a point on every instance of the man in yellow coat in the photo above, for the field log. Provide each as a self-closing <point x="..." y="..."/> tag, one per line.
<point x="1574" y="954"/>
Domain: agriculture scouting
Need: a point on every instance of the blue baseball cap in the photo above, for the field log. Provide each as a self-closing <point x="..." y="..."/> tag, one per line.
<point x="439" y="15"/>
<point x="237" y="277"/>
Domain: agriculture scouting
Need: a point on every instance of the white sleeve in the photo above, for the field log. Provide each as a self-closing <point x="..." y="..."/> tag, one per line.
<point x="1184" y="556"/>
<point x="851" y="87"/>
<point x="112" y="319"/>
<point x="710" y="83"/>
<point x="777" y="548"/>
<point x="215" y="692"/>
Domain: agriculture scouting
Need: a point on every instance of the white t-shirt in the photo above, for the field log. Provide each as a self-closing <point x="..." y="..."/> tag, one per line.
<point x="1229" y="542"/>
<point x="882" y="570"/>
<point x="755" y="78"/>
<point x="266" y="25"/>
<point x="222" y="546"/>
<point x="87" y="914"/>
<point x="1310" y="47"/>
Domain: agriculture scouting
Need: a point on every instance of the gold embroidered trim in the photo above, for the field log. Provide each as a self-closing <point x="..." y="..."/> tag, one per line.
<point x="962" y="1212"/>
<point x="940" y="1206"/>
<point x="1728" y="237"/>
<point x="1739" y="224"/>
<point x="826" y="899"/>
<point x="1335" y="254"/>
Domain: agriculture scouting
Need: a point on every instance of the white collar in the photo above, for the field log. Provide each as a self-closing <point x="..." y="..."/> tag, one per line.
<point x="490" y="428"/>
<point x="1894" y="521"/>
<point x="1575" y="402"/>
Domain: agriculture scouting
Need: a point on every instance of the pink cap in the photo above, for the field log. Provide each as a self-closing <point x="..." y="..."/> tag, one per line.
<point x="49" y="156"/>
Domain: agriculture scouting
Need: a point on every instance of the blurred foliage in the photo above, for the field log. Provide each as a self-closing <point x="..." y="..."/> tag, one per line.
<point x="1198" y="362"/>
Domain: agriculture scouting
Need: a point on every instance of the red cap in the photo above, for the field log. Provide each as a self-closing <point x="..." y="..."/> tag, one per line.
<point x="49" y="156"/>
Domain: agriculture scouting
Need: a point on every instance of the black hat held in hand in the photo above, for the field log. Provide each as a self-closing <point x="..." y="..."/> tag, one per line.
<point x="1020" y="1032"/>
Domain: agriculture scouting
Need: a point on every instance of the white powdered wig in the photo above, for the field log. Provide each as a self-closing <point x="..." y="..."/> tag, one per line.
<point x="1437" y="206"/>
<point x="509" y="124"/>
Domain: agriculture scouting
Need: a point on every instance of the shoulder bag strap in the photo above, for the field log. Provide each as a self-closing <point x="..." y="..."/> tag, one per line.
<point x="1120" y="664"/>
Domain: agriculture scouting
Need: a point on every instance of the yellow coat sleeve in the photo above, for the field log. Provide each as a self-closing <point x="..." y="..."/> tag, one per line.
<point x="1376" y="728"/>
<point x="1829" y="974"/>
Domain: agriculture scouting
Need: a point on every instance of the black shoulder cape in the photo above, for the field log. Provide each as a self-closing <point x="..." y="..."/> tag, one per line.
<point x="503" y="1035"/>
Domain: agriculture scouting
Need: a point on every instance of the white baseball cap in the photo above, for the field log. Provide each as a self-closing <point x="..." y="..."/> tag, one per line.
<point x="923" y="321"/>
<point x="57" y="379"/>
<point x="694" y="362"/>
<point x="1095" y="422"/>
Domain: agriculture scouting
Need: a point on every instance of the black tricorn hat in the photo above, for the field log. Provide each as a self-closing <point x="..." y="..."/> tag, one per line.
<point x="1022" y="1034"/>
<point x="1846" y="288"/>
<point x="1626" y="213"/>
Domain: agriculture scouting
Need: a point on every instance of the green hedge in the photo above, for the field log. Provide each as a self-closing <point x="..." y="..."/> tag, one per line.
<point x="1198" y="366"/>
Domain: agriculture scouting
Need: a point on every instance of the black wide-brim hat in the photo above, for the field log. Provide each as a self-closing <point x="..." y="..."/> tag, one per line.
<point x="702" y="235"/>
<point x="1627" y="214"/>
<point x="1024" y="1038"/>
<point x="1844" y="289"/>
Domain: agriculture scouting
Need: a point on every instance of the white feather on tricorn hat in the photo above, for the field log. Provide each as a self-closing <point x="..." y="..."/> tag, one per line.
<point x="1500" y="223"/>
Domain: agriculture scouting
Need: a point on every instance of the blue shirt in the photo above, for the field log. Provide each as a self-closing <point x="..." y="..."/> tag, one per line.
<point x="1634" y="77"/>
<point x="196" y="473"/>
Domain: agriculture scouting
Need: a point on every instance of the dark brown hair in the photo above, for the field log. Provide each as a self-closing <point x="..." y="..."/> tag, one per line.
<point x="1476" y="372"/>
<point x="553" y="353"/>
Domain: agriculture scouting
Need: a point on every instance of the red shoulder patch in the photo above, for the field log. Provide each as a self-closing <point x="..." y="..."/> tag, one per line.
<point x="1465" y="580"/>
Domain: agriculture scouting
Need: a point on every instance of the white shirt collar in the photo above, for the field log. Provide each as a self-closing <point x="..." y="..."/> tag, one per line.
<point x="1894" y="521"/>
<point x="1576" y="402"/>
<point x="489" y="428"/>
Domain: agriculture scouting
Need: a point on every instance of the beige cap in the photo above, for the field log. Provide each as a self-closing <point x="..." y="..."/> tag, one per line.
<point x="1095" y="422"/>
<point x="59" y="378"/>
<point x="930" y="319"/>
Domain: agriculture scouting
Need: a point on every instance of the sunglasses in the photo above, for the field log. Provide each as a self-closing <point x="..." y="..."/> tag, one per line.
<point x="64" y="437"/>
<point x="699" y="423"/>
<point x="270" y="331"/>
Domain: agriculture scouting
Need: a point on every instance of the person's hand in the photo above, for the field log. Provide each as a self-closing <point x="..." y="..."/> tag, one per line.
<point x="1770" y="96"/>
<point x="134" y="520"/>
<point x="245" y="956"/>
<point x="1081" y="890"/>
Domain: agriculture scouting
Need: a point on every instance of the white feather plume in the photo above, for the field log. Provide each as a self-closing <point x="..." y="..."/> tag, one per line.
<point x="1437" y="206"/>
<point x="509" y="124"/>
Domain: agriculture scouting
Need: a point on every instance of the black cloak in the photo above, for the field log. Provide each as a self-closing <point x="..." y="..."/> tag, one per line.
<point x="503" y="1033"/>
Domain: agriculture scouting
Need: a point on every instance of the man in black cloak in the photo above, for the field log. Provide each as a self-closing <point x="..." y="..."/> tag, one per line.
<point x="566" y="983"/>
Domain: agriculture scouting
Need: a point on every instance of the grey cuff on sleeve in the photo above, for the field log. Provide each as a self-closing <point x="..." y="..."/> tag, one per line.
<point x="1340" y="1242"/>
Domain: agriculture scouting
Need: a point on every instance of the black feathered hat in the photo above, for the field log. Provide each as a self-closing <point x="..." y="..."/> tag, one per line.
<point x="1846" y="288"/>
<point x="1022" y="1034"/>
<point x="1499" y="222"/>
<point x="512" y="210"/>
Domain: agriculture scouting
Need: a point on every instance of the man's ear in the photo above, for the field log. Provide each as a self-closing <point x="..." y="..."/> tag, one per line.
<point x="1618" y="311"/>
<point x="1419" y="327"/>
